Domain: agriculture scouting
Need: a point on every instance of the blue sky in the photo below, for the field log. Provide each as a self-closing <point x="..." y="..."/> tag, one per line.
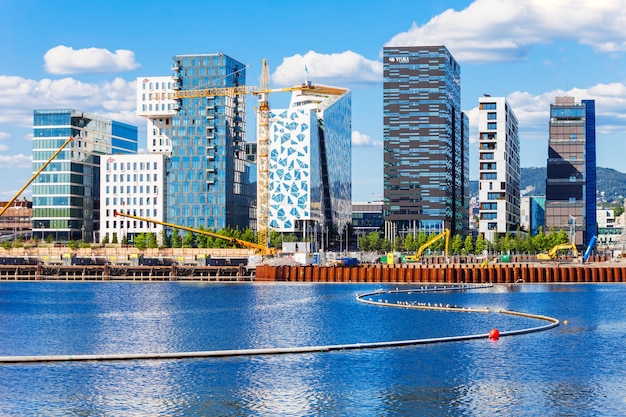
<point x="87" y="56"/>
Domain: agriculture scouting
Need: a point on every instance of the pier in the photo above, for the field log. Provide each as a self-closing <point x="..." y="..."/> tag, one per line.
<point x="552" y="272"/>
<point x="108" y="272"/>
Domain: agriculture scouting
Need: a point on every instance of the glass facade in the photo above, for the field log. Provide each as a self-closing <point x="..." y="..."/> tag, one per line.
<point x="210" y="183"/>
<point x="310" y="163"/>
<point x="426" y="142"/>
<point x="571" y="169"/>
<point x="66" y="195"/>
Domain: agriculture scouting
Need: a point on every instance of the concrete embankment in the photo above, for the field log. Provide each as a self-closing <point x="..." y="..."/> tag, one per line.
<point x="449" y="273"/>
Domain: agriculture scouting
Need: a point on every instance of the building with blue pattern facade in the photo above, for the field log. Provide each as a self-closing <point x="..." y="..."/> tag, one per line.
<point x="66" y="195"/>
<point x="310" y="156"/>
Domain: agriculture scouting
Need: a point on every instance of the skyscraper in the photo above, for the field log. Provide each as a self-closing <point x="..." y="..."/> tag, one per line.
<point x="210" y="182"/>
<point x="310" y="162"/>
<point x="154" y="102"/>
<point x="499" y="169"/>
<point x="66" y="196"/>
<point x="571" y="171"/>
<point x="426" y="142"/>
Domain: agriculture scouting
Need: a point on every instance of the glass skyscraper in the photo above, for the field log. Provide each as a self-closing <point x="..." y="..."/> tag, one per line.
<point x="571" y="170"/>
<point x="210" y="181"/>
<point x="310" y="162"/>
<point x="66" y="195"/>
<point x="426" y="142"/>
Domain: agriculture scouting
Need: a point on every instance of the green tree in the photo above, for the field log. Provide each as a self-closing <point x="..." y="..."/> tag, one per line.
<point x="190" y="240"/>
<point x="480" y="245"/>
<point x="562" y="237"/>
<point x="105" y="240"/>
<point x="49" y="239"/>
<point x="507" y="243"/>
<point x="540" y="242"/>
<point x="141" y="242"/>
<point x="248" y="236"/>
<point x="152" y="241"/>
<point x="422" y="238"/>
<point x="177" y="241"/>
<point x="468" y="247"/>
<point x="114" y="239"/>
<point x="364" y="243"/>
<point x="376" y="243"/>
<point x="398" y="244"/>
<point x="618" y="210"/>
<point x="456" y="245"/>
<point x="386" y="245"/>
<point x="409" y="243"/>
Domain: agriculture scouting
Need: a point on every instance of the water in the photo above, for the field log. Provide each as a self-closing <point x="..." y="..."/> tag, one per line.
<point x="575" y="369"/>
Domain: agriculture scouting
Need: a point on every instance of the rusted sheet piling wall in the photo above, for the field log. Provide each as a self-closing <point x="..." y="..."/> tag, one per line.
<point x="452" y="274"/>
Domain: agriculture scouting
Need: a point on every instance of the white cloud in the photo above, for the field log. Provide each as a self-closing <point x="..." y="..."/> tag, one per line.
<point x="66" y="60"/>
<point x="115" y="99"/>
<point x="361" y="139"/>
<point x="505" y="30"/>
<point x="4" y="135"/>
<point x="342" y="69"/>
<point x="16" y="161"/>
<point x="533" y="111"/>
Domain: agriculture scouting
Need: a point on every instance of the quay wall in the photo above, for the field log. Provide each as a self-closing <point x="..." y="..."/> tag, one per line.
<point x="449" y="274"/>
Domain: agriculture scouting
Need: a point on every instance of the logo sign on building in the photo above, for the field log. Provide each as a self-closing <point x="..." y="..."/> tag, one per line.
<point x="399" y="59"/>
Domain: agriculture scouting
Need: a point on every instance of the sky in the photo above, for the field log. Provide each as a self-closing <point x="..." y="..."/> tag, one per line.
<point x="87" y="56"/>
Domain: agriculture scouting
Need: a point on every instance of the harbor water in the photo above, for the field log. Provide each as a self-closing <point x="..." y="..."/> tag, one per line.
<point x="576" y="368"/>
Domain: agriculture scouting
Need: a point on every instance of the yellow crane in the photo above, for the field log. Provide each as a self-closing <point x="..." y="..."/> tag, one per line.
<point x="263" y="111"/>
<point x="554" y="251"/>
<point x="35" y="175"/>
<point x="445" y="234"/>
<point x="263" y="250"/>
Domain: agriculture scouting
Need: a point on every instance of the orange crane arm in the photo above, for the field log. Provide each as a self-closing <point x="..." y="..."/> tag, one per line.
<point x="35" y="175"/>
<point x="250" y="245"/>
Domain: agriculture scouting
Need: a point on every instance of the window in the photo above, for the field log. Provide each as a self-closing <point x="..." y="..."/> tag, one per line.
<point x="492" y="126"/>
<point x="487" y="106"/>
<point x="491" y="116"/>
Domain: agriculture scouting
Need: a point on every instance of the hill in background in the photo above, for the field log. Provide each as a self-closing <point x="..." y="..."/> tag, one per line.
<point x="611" y="184"/>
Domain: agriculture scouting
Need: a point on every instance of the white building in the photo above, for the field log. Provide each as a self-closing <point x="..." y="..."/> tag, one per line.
<point x="310" y="162"/>
<point x="132" y="184"/>
<point x="499" y="169"/>
<point x="155" y="104"/>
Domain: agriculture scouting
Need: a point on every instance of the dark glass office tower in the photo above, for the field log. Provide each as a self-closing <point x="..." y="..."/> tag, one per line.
<point x="571" y="169"/>
<point x="426" y="144"/>
<point x="210" y="181"/>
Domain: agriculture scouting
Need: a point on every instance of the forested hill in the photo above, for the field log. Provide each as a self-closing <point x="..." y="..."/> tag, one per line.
<point x="611" y="184"/>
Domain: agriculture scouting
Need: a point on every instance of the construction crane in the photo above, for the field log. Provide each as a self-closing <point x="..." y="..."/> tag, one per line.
<point x="431" y="241"/>
<point x="554" y="251"/>
<point x="35" y="175"/>
<point x="263" y="110"/>
<point x="261" y="249"/>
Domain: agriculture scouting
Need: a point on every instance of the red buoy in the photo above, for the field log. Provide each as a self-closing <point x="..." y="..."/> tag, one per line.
<point x="494" y="334"/>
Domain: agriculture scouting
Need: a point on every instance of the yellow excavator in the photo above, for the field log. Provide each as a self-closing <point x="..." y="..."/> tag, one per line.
<point x="552" y="254"/>
<point x="430" y="242"/>
<point x="260" y="249"/>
